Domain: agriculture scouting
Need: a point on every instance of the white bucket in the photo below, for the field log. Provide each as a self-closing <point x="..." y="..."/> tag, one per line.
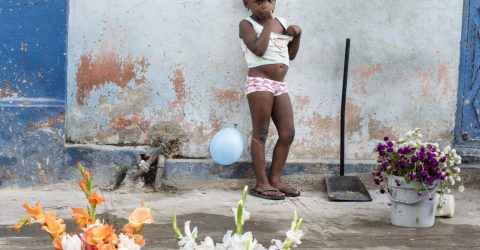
<point x="408" y="209"/>
<point x="445" y="206"/>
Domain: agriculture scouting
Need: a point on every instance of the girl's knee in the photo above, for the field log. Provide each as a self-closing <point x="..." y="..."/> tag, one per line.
<point x="286" y="137"/>
<point x="261" y="135"/>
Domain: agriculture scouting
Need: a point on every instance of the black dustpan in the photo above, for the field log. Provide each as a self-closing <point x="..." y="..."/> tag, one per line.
<point x="345" y="188"/>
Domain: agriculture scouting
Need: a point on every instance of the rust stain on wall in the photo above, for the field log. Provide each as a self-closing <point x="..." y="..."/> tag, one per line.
<point x="353" y="117"/>
<point x="300" y="102"/>
<point x="107" y="67"/>
<point x="227" y="96"/>
<point x="321" y="124"/>
<point x="444" y="78"/>
<point x="122" y="121"/>
<point x="48" y="123"/>
<point x="206" y="131"/>
<point x="362" y="74"/>
<point x="177" y="106"/>
<point x="377" y="130"/>
<point x="425" y="81"/>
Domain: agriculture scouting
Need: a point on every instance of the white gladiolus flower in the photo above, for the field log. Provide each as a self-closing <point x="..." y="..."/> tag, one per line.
<point x="127" y="243"/>
<point x="461" y="188"/>
<point x="187" y="242"/>
<point x="447" y="148"/>
<point x="71" y="242"/>
<point x="409" y="133"/>
<point x="458" y="179"/>
<point x="207" y="244"/>
<point x="435" y="145"/>
<point x="239" y="242"/>
<point x="295" y="236"/>
<point x="276" y="245"/>
<point x="456" y="170"/>
<point x="245" y="215"/>
<point x="448" y="190"/>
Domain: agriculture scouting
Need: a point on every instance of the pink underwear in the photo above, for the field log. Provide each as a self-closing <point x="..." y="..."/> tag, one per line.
<point x="256" y="84"/>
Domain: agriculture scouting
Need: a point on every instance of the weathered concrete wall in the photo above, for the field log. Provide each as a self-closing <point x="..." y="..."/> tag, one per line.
<point x="142" y="70"/>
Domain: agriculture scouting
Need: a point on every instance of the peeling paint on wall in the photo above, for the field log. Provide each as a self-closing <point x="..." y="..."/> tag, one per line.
<point x="107" y="67"/>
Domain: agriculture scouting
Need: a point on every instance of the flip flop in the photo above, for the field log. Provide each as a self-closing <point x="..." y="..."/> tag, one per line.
<point x="261" y="194"/>
<point x="290" y="192"/>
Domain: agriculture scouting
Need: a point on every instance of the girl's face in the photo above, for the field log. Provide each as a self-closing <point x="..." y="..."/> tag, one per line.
<point x="259" y="7"/>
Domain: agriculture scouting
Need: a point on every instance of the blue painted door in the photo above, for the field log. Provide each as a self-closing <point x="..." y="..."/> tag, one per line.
<point x="32" y="90"/>
<point x="467" y="128"/>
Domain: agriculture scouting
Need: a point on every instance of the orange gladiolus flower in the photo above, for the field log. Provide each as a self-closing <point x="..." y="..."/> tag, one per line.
<point x="56" y="228"/>
<point x="83" y="186"/>
<point x="129" y="229"/>
<point x="95" y="199"/>
<point x="86" y="174"/>
<point x="139" y="240"/>
<point x="57" y="244"/>
<point x="35" y="212"/>
<point x="80" y="216"/>
<point x="99" y="235"/>
<point x="21" y="223"/>
<point x="140" y="216"/>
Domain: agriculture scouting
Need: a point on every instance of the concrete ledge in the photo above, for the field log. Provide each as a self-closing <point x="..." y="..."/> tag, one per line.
<point x="107" y="163"/>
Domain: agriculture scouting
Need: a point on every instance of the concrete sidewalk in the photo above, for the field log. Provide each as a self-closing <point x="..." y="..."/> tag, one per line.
<point x="327" y="225"/>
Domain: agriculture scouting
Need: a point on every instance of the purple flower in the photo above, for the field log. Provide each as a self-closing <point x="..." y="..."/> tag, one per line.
<point x="386" y="138"/>
<point x="412" y="176"/>
<point x="382" y="191"/>
<point x="444" y="159"/>
<point x="400" y="151"/>
<point x="414" y="159"/>
<point x="422" y="149"/>
<point x="390" y="150"/>
<point x="423" y="173"/>
<point x="390" y="144"/>
<point x="420" y="193"/>
<point x="430" y="179"/>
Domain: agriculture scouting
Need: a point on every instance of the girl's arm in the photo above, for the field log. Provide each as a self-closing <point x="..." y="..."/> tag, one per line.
<point x="257" y="45"/>
<point x="294" y="45"/>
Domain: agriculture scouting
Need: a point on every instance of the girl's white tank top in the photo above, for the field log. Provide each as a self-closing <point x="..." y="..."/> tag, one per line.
<point x="277" y="51"/>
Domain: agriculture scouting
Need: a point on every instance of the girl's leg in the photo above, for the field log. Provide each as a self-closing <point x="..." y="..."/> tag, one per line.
<point x="282" y="116"/>
<point x="260" y="109"/>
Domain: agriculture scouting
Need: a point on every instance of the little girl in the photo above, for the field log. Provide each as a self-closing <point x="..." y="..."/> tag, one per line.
<point x="269" y="44"/>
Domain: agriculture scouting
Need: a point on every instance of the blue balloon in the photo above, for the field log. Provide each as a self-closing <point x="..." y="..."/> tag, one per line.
<point x="226" y="146"/>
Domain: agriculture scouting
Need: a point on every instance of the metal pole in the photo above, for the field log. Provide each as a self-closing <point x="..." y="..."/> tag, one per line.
<point x="342" y="116"/>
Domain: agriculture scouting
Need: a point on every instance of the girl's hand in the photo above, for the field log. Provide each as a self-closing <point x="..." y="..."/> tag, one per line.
<point x="293" y="30"/>
<point x="267" y="14"/>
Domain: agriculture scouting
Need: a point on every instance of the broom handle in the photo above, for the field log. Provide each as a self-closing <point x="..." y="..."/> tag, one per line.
<point x="342" y="115"/>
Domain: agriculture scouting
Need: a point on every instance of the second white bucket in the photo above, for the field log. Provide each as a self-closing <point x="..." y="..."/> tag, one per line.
<point x="409" y="209"/>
